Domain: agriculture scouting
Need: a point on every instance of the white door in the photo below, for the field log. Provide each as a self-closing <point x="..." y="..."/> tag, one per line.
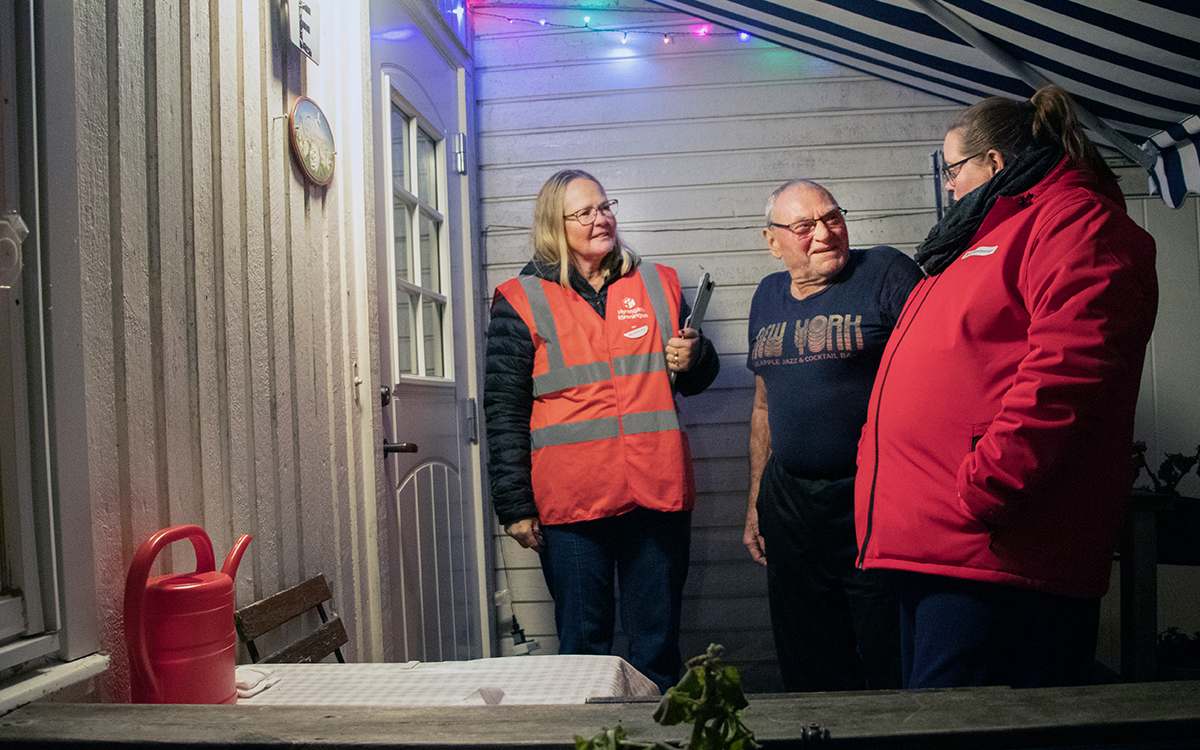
<point x="435" y="574"/>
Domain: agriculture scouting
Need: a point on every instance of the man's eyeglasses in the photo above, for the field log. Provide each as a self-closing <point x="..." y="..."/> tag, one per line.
<point x="835" y="219"/>
<point x="588" y="215"/>
<point x="950" y="171"/>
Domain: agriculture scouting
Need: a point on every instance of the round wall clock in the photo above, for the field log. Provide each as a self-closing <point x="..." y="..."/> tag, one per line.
<point x="312" y="141"/>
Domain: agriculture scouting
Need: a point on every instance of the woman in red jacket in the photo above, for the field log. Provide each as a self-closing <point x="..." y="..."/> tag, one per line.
<point x="994" y="465"/>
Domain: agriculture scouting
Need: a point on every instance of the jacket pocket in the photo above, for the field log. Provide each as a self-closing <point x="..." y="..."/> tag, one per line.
<point x="978" y="430"/>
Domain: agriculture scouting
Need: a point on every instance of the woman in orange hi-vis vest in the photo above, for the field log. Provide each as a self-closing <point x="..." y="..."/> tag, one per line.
<point x="589" y="463"/>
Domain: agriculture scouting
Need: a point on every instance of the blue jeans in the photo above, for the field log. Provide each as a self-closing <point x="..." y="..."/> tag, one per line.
<point x="649" y="551"/>
<point x="961" y="633"/>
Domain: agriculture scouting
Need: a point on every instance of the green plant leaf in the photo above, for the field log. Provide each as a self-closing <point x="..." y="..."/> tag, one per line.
<point x="729" y="685"/>
<point x="674" y="708"/>
<point x="709" y="697"/>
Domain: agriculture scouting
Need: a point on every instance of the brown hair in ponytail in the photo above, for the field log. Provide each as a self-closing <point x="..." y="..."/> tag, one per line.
<point x="1010" y="126"/>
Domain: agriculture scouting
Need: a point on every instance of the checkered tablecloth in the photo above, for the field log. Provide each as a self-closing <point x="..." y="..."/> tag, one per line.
<point x="528" y="680"/>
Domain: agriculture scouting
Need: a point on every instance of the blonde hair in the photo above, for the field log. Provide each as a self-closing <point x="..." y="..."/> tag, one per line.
<point x="1010" y="126"/>
<point x="549" y="232"/>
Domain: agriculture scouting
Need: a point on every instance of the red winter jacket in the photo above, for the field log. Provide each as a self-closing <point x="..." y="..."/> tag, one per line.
<point x="997" y="444"/>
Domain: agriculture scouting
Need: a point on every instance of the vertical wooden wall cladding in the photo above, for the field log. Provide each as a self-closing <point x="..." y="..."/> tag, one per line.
<point x="207" y="302"/>
<point x="692" y="136"/>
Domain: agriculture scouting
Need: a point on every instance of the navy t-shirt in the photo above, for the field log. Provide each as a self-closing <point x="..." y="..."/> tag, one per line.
<point x="818" y="357"/>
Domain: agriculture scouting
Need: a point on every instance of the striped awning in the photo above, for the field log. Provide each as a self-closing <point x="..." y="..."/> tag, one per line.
<point x="1132" y="65"/>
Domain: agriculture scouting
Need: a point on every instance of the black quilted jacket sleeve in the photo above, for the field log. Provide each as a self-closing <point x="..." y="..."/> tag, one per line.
<point x="700" y="375"/>
<point x="507" y="406"/>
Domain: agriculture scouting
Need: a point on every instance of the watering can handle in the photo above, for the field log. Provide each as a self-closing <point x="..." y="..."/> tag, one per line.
<point x="135" y="587"/>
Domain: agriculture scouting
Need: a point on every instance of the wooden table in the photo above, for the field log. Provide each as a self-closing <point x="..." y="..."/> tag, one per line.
<point x="1143" y="715"/>
<point x="1140" y="553"/>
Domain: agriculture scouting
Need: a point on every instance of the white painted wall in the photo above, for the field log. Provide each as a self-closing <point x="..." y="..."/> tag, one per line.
<point x="691" y="136"/>
<point x="207" y="304"/>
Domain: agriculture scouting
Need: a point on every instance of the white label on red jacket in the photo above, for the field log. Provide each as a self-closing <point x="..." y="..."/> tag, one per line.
<point x="980" y="251"/>
<point x="637" y="333"/>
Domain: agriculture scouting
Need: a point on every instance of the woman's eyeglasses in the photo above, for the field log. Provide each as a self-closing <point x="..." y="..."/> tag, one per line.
<point x="835" y="219"/>
<point x="950" y="171"/>
<point x="588" y="215"/>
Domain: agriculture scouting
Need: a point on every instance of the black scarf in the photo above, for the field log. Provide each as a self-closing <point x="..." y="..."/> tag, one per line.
<point x="950" y="236"/>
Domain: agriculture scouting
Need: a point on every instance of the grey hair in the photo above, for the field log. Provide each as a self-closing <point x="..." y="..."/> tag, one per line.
<point x="809" y="184"/>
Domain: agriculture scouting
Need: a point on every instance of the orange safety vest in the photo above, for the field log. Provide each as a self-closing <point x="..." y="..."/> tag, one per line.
<point x="605" y="429"/>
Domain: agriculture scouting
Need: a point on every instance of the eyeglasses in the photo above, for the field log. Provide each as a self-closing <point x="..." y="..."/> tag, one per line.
<point x="588" y="215"/>
<point x="950" y="171"/>
<point x="835" y="219"/>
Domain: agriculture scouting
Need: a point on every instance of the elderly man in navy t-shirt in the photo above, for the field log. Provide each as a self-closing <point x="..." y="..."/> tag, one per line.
<point x="817" y="331"/>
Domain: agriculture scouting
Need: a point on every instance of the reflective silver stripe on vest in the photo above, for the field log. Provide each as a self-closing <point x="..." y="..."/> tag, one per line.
<point x="650" y="421"/>
<point x="575" y="432"/>
<point x="658" y="300"/>
<point x="639" y="364"/>
<point x="569" y="377"/>
<point x="543" y="319"/>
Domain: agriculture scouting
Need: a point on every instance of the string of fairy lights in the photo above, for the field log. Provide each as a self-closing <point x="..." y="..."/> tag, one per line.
<point x="696" y="30"/>
<point x="699" y="30"/>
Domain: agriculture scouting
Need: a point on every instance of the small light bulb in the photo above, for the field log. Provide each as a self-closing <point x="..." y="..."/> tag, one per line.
<point x="743" y="36"/>
<point x="624" y="37"/>
<point x="542" y="21"/>
<point x="587" y="20"/>
<point x="666" y="39"/>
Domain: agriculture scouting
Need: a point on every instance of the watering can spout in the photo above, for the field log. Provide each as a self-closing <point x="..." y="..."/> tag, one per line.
<point x="234" y="558"/>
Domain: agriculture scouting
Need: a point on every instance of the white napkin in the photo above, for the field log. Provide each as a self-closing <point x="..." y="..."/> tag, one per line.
<point x="253" y="680"/>
<point x="484" y="696"/>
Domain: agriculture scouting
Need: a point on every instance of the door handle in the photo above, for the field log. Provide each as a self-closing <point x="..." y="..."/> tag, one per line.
<point x="398" y="447"/>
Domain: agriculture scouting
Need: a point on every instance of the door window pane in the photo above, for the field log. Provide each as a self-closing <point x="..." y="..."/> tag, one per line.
<point x="426" y="168"/>
<point x="406" y="323"/>
<point x="430" y="258"/>
<point x="399" y="148"/>
<point x="433" y="314"/>
<point x="401" y="221"/>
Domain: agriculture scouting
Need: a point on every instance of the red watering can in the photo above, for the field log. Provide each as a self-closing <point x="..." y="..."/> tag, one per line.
<point x="179" y="628"/>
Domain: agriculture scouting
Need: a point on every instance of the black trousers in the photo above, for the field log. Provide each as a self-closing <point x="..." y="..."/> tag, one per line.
<point x="836" y="627"/>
